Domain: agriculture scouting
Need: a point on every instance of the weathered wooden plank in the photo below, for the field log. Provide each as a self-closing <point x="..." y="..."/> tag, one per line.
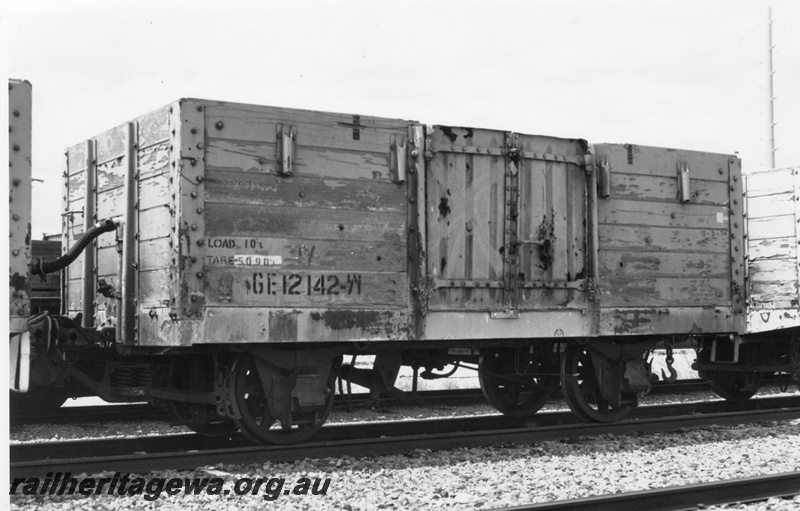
<point x="551" y="145"/>
<point x="155" y="223"/>
<point x="238" y="324"/>
<point x="673" y="320"/>
<point x="773" y="295"/>
<point x="469" y="207"/>
<point x="155" y="220"/>
<point x="456" y="298"/>
<point x="529" y="324"/>
<point x="153" y="288"/>
<point x="576" y="232"/>
<point x="308" y="223"/>
<point x="154" y="127"/>
<point x="299" y="253"/>
<point x="534" y="213"/>
<point x="552" y="299"/>
<point x="76" y="159"/>
<point x="74" y="221"/>
<point x="154" y="189"/>
<point x="111" y="203"/>
<point x="248" y="287"/>
<point x="107" y="261"/>
<point x="657" y="161"/>
<point x="234" y="121"/>
<point x="497" y="206"/>
<point x="76" y="185"/>
<point x="773" y="182"/>
<point x="154" y="160"/>
<point x="771" y="205"/>
<point x="661" y="214"/>
<point x="108" y="239"/>
<point x="111" y="174"/>
<point x="639" y="290"/>
<point x="111" y="144"/>
<point x="772" y="248"/>
<point x="260" y="158"/>
<point x="154" y="192"/>
<point x="454" y="138"/>
<point x="663" y="238"/>
<point x="773" y="270"/>
<point x="155" y="255"/>
<point x="453" y="197"/>
<point x="772" y="227"/>
<point x="640" y="187"/>
<point x="437" y="208"/>
<point x="613" y="263"/>
<point x="304" y="192"/>
<point x="485" y="255"/>
<point x="775" y="318"/>
<point x="492" y="298"/>
<point x="557" y="203"/>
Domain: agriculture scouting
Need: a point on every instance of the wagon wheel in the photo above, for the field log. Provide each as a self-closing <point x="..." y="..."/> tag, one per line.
<point x="581" y="389"/>
<point x="729" y="385"/>
<point x="512" y="382"/>
<point x="256" y="421"/>
<point x="201" y="419"/>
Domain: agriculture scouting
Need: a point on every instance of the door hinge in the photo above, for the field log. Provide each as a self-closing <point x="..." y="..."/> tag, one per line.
<point x="398" y="162"/>
<point x="286" y="136"/>
<point x="603" y="177"/>
<point x="684" y="193"/>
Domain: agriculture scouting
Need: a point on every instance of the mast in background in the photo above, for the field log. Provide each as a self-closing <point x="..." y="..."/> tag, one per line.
<point x="772" y="147"/>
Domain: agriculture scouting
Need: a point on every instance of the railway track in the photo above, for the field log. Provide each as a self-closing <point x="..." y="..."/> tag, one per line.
<point x="372" y="439"/>
<point x="144" y="412"/>
<point x="674" y="498"/>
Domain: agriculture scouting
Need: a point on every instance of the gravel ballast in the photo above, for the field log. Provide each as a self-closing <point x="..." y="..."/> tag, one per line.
<point x="490" y="477"/>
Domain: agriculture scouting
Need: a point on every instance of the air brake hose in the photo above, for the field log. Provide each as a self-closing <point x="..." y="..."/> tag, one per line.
<point x="41" y="267"/>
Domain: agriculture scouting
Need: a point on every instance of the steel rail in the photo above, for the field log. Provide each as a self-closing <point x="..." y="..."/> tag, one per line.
<point x="365" y="439"/>
<point x="336" y="432"/>
<point x="679" y="498"/>
<point x="144" y="412"/>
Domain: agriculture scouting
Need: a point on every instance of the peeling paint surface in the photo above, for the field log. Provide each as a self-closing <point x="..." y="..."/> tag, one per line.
<point x="283" y="326"/>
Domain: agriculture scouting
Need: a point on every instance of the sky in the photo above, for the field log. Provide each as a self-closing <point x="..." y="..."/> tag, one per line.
<point x="681" y="74"/>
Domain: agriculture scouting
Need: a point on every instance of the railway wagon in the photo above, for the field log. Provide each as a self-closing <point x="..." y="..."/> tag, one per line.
<point x="221" y="259"/>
